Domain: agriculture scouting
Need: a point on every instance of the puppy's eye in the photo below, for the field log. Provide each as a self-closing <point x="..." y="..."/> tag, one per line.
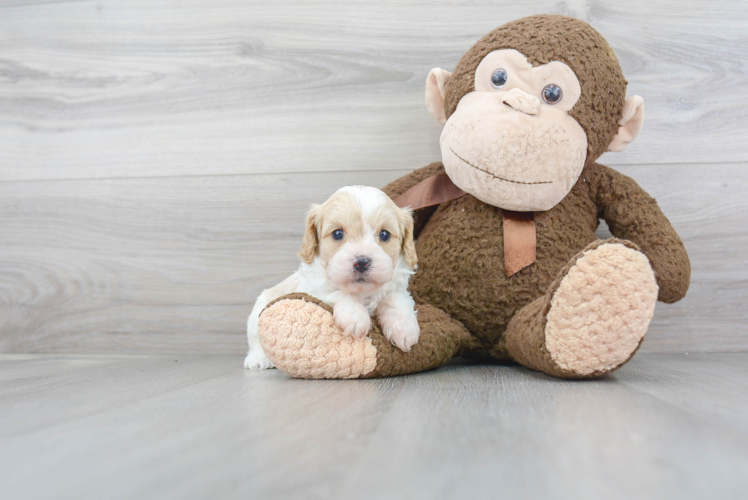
<point x="338" y="234"/>
<point x="499" y="78"/>
<point x="552" y="94"/>
<point x="384" y="235"/>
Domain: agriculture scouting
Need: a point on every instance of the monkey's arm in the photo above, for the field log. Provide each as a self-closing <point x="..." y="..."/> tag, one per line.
<point x="399" y="186"/>
<point x="633" y="215"/>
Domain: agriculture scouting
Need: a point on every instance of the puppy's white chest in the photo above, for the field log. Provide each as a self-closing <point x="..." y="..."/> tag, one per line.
<point x="371" y="303"/>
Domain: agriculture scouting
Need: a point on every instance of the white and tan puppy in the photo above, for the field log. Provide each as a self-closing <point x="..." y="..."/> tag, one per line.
<point x="357" y="256"/>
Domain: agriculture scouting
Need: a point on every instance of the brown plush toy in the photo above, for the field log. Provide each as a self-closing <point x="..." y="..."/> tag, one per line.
<point x="509" y="264"/>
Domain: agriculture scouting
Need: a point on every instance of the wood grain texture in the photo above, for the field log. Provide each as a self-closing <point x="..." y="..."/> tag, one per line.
<point x="156" y="157"/>
<point x="664" y="426"/>
<point x="148" y="265"/>
<point x="93" y="89"/>
<point x="173" y="264"/>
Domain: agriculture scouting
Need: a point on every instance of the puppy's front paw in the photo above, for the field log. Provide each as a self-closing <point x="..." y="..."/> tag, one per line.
<point x="400" y="327"/>
<point x="352" y="318"/>
<point x="256" y="360"/>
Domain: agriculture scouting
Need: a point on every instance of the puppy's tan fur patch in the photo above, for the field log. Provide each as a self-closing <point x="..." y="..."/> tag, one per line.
<point x="342" y="211"/>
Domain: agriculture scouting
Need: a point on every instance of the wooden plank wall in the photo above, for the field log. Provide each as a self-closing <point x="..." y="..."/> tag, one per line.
<point x="156" y="156"/>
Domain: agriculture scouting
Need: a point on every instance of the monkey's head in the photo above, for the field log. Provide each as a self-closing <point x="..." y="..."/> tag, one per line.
<point x="529" y="106"/>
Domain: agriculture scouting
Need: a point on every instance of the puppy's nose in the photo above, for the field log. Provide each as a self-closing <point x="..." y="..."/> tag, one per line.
<point x="362" y="264"/>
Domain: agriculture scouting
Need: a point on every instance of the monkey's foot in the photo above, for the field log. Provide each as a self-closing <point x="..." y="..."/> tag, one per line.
<point x="593" y="319"/>
<point x="300" y="337"/>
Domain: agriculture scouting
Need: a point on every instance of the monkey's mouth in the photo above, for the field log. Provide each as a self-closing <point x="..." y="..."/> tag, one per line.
<point x="494" y="175"/>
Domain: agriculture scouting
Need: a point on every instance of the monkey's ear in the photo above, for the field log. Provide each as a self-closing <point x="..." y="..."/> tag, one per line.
<point x="436" y="84"/>
<point x="311" y="241"/>
<point x="630" y="124"/>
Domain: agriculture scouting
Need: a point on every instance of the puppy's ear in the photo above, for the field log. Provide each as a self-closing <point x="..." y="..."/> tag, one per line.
<point x="409" y="245"/>
<point x="310" y="243"/>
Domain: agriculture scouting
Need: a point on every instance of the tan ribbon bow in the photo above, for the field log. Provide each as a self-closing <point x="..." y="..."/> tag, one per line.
<point x="520" y="240"/>
<point x="429" y="192"/>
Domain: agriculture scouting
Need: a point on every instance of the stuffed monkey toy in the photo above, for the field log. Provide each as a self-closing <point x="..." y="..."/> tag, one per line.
<point x="509" y="264"/>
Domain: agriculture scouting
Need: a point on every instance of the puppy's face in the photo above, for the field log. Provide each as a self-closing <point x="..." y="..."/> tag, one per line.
<point x="360" y="236"/>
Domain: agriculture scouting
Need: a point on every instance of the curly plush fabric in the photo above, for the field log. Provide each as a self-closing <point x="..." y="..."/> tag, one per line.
<point x="581" y="309"/>
<point x="300" y="337"/>
<point x="474" y="310"/>
<point x="547" y="38"/>
<point x="461" y="256"/>
<point x="601" y="309"/>
<point x="633" y="215"/>
<point x="589" y="322"/>
<point x="593" y="317"/>
<point x="441" y="339"/>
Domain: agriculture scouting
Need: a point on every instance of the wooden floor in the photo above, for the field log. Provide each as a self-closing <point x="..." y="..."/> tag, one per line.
<point x="87" y="426"/>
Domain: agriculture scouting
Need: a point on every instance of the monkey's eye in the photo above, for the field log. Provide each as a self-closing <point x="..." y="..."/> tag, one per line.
<point x="498" y="78"/>
<point x="338" y="234"/>
<point x="384" y="235"/>
<point x="552" y="94"/>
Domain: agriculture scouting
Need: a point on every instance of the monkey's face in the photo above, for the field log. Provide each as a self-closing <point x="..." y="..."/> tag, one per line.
<point x="511" y="143"/>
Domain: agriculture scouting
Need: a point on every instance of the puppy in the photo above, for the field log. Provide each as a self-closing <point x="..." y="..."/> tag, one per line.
<point x="357" y="256"/>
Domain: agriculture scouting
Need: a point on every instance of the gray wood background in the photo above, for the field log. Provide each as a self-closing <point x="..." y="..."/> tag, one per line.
<point x="156" y="156"/>
<point x="665" y="427"/>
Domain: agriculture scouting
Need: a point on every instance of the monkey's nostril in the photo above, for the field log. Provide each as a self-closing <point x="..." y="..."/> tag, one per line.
<point x="362" y="264"/>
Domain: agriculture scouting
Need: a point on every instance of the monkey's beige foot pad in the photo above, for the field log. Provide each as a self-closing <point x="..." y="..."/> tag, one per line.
<point x="601" y="310"/>
<point x="299" y="335"/>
